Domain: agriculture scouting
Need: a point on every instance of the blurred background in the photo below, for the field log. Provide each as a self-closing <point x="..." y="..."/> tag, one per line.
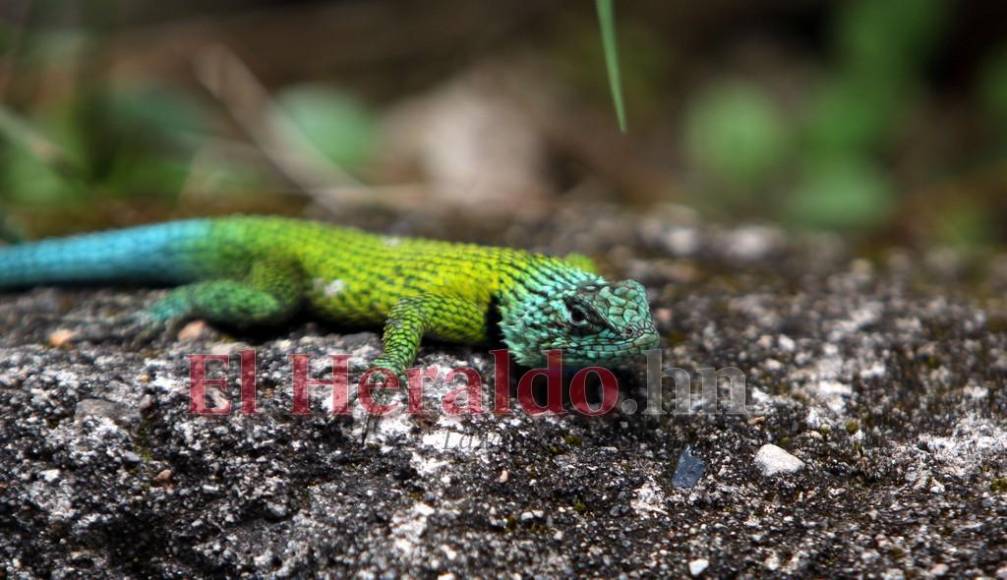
<point x="884" y="121"/>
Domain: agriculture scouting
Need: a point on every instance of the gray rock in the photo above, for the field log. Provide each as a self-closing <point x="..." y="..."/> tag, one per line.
<point x="878" y="371"/>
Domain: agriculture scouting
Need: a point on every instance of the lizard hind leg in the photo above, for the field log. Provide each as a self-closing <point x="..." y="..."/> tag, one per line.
<point x="269" y="294"/>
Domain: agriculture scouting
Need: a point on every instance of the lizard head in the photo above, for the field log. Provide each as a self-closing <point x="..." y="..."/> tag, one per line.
<point x="592" y="322"/>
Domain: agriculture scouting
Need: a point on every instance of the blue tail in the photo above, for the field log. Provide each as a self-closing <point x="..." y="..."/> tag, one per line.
<point x="157" y="253"/>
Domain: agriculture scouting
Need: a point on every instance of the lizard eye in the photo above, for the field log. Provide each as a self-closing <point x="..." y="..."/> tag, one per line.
<point x="578" y="317"/>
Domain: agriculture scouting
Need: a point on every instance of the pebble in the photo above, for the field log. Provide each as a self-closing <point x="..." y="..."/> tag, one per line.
<point x="277" y="510"/>
<point x="193" y="331"/>
<point x="698" y="566"/>
<point x="689" y="470"/>
<point x="939" y="570"/>
<point x="61" y="338"/>
<point x="772" y="460"/>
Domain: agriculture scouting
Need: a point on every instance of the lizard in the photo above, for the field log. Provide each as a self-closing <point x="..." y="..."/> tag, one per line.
<point x="246" y="270"/>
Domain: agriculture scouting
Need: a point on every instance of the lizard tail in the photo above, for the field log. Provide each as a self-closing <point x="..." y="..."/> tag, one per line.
<point x="158" y="253"/>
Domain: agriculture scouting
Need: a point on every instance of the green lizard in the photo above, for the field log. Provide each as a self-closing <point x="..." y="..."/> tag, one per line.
<point x="247" y="271"/>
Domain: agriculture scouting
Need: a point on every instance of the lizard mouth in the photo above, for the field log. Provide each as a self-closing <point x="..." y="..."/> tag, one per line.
<point x="607" y="350"/>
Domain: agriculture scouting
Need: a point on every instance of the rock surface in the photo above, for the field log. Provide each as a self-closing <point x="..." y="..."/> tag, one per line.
<point x="885" y="376"/>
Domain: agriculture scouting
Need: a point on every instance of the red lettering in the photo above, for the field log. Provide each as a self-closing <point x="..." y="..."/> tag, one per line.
<point x="501" y="381"/>
<point x="609" y="391"/>
<point x="339" y="383"/>
<point x="368" y="385"/>
<point x="472" y="390"/>
<point x="198" y="383"/>
<point x="553" y="374"/>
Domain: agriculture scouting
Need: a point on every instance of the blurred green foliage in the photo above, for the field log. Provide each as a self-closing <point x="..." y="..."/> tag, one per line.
<point x="339" y="126"/>
<point x="967" y="226"/>
<point x="106" y="142"/>
<point x="839" y="193"/>
<point x="735" y="132"/>
<point x="993" y="91"/>
<point x="819" y="142"/>
<point x="736" y="135"/>
<point x="886" y="41"/>
<point x="849" y="115"/>
<point x="144" y="141"/>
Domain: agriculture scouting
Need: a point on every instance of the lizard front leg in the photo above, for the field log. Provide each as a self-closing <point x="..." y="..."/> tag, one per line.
<point x="443" y="317"/>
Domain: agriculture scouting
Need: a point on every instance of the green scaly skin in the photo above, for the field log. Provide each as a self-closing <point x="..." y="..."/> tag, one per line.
<point x="248" y="271"/>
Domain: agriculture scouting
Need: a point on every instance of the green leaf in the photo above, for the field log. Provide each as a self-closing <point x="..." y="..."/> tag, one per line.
<point x="606" y="19"/>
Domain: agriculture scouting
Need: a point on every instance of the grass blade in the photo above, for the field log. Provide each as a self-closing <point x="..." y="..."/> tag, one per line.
<point x="606" y="19"/>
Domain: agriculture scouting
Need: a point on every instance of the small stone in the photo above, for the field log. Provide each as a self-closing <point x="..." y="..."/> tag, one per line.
<point x="689" y="470"/>
<point x="277" y="510"/>
<point x="939" y="569"/>
<point x="192" y="331"/>
<point x="504" y="476"/>
<point x="120" y="414"/>
<point x="61" y="338"/>
<point x="146" y="404"/>
<point x="771" y="460"/>
<point x="163" y="477"/>
<point x="698" y="566"/>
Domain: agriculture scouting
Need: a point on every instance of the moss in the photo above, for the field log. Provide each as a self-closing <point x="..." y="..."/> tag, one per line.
<point x="573" y="440"/>
<point x="142" y="442"/>
<point x="675" y="338"/>
<point x="997" y="324"/>
<point x="999" y="485"/>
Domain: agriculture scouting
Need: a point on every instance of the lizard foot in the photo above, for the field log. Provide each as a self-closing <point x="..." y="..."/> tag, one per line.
<point x="138" y="329"/>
